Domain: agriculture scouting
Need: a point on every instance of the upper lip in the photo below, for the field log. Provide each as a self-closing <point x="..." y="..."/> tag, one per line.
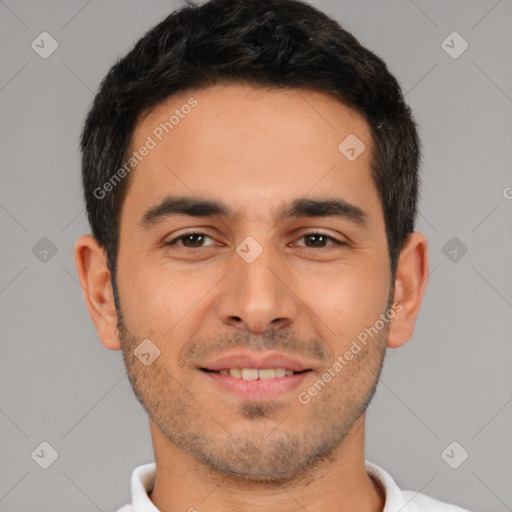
<point x="257" y="360"/>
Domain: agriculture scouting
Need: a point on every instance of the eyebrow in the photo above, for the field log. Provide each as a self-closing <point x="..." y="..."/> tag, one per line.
<point x="182" y="205"/>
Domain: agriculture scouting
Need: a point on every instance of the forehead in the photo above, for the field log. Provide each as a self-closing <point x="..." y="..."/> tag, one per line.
<point x="252" y="148"/>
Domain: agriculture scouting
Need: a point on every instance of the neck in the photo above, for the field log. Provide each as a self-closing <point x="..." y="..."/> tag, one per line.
<point x="339" y="482"/>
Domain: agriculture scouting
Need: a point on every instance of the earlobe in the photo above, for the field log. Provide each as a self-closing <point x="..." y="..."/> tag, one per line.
<point x="410" y="284"/>
<point x="94" y="276"/>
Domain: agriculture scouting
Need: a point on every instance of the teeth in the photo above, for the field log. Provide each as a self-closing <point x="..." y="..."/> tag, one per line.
<point x="250" y="373"/>
<point x="255" y="373"/>
<point x="269" y="373"/>
<point x="235" y="372"/>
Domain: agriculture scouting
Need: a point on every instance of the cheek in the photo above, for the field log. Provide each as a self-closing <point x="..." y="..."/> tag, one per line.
<point x="159" y="300"/>
<point x="347" y="299"/>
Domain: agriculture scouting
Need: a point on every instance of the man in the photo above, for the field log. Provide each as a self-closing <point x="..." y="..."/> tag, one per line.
<point x="251" y="180"/>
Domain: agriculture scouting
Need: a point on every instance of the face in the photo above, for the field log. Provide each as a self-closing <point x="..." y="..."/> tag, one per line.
<point x="275" y="257"/>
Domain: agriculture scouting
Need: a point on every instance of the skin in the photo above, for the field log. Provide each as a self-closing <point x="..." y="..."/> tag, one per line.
<point x="254" y="149"/>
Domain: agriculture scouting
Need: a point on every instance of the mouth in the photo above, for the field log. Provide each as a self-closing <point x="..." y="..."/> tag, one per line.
<point x="255" y="383"/>
<point x="255" y="373"/>
<point x="256" y="376"/>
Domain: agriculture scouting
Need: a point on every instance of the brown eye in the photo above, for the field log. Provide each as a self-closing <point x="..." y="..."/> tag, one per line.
<point x="319" y="240"/>
<point x="316" y="240"/>
<point x="190" y="240"/>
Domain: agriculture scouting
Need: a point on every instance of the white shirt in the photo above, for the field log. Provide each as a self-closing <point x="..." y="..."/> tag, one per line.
<point x="143" y="479"/>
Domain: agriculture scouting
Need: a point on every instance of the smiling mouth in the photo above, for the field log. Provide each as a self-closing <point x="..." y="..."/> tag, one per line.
<point x="255" y="373"/>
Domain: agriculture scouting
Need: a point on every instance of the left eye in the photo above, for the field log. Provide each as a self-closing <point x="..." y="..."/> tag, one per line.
<point x="319" y="240"/>
<point x="195" y="240"/>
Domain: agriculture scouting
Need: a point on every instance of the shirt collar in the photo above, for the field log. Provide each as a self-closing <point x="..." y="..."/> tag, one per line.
<point x="394" y="498"/>
<point x="143" y="480"/>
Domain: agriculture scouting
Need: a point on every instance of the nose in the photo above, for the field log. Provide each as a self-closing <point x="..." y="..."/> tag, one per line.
<point x="258" y="296"/>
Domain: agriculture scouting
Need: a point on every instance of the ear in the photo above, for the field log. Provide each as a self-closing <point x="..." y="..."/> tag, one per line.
<point x="91" y="265"/>
<point x="410" y="283"/>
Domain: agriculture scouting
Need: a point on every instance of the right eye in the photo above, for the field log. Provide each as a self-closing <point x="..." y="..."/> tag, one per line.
<point x="195" y="239"/>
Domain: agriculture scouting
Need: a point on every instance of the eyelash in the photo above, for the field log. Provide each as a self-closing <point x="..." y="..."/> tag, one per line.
<point x="312" y="233"/>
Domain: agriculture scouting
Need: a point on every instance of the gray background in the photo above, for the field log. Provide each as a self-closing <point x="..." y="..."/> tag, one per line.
<point x="451" y="382"/>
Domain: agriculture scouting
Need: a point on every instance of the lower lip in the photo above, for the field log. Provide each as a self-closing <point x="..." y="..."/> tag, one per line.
<point x="256" y="389"/>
